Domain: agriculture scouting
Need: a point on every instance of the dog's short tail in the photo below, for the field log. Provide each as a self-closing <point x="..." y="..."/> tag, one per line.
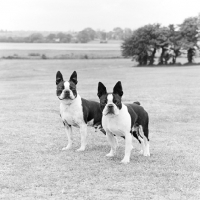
<point x="137" y="102"/>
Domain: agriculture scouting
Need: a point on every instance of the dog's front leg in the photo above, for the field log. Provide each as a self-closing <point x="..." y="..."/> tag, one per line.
<point x="128" y="148"/>
<point x="83" y="132"/>
<point x="113" y="143"/>
<point x="68" y="130"/>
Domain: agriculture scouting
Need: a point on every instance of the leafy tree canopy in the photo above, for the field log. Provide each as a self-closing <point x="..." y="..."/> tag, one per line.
<point x="146" y="40"/>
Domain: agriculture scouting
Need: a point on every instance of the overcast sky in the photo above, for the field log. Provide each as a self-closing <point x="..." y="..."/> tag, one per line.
<point x="75" y="15"/>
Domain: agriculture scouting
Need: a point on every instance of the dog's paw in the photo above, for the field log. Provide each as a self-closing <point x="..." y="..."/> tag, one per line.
<point x="110" y="154"/>
<point x="146" y="154"/>
<point x="81" y="149"/>
<point x="67" y="147"/>
<point x="141" y="152"/>
<point x="125" y="161"/>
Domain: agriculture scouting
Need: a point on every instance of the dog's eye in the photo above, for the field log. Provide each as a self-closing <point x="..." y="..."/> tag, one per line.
<point x="114" y="101"/>
<point x="61" y="88"/>
<point x="59" y="92"/>
<point x="71" y="88"/>
<point x="104" y="102"/>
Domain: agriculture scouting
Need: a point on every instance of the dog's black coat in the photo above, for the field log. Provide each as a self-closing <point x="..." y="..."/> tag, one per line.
<point x="138" y="117"/>
<point x="91" y="110"/>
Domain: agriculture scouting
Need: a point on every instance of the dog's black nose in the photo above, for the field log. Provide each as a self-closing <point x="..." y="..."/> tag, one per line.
<point x="67" y="92"/>
<point x="110" y="106"/>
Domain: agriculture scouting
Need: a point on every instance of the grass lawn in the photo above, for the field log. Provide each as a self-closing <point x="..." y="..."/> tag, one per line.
<point x="33" y="166"/>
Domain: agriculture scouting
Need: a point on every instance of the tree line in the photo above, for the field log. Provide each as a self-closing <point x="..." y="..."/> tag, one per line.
<point x="84" y="36"/>
<point x="170" y="41"/>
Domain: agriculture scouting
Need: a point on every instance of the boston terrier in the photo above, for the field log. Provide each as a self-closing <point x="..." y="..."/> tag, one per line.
<point x="123" y="120"/>
<point x="76" y="111"/>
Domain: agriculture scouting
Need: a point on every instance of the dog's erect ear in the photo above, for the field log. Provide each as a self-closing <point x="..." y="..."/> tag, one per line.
<point x="118" y="89"/>
<point x="59" y="77"/>
<point x="101" y="89"/>
<point x="73" y="78"/>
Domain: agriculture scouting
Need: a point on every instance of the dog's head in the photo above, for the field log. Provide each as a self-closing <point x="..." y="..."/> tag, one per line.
<point x="66" y="90"/>
<point x="110" y="103"/>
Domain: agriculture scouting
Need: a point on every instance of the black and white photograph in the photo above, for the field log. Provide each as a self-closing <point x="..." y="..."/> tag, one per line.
<point x="99" y="100"/>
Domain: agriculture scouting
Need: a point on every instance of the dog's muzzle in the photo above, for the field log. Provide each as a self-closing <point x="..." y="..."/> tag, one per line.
<point x="66" y="95"/>
<point x="110" y="109"/>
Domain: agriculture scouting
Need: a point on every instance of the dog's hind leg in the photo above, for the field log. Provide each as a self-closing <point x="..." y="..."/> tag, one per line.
<point x="136" y="133"/>
<point x="144" y="132"/>
<point x="83" y="132"/>
<point x="146" y="140"/>
<point x="68" y="130"/>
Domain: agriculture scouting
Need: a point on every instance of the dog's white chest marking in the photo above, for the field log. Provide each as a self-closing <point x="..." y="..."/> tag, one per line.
<point x="72" y="114"/>
<point x="118" y="124"/>
<point x="91" y="122"/>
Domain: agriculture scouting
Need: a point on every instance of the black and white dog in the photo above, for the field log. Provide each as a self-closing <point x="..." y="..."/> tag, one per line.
<point x="123" y="120"/>
<point x="76" y="111"/>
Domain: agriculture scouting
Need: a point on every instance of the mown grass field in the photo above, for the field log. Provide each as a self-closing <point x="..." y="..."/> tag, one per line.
<point x="33" y="166"/>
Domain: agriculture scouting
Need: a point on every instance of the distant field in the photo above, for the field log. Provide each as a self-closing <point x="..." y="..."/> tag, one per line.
<point x="60" y="54"/>
<point x="60" y="46"/>
<point x="60" y="51"/>
<point x="33" y="166"/>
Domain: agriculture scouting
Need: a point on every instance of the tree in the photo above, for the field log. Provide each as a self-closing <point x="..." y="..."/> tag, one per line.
<point x="118" y="33"/>
<point x="176" y="42"/>
<point x="64" y="38"/>
<point x="189" y="30"/>
<point x="68" y="38"/>
<point x="145" y="41"/>
<point x="109" y="35"/>
<point x="60" y="36"/>
<point x="142" y="45"/>
<point x="91" y="33"/>
<point x="102" y="35"/>
<point x="86" y="35"/>
<point x="36" y="37"/>
<point x="162" y="41"/>
<point x="51" y="37"/>
<point x="127" y="33"/>
<point x="83" y="37"/>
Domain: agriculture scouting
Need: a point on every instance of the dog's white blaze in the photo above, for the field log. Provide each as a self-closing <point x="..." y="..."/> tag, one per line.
<point x="110" y="98"/>
<point x="66" y="84"/>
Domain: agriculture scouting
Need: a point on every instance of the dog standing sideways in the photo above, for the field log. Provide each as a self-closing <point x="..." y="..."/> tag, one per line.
<point x="76" y="111"/>
<point x="123" y="120"/>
